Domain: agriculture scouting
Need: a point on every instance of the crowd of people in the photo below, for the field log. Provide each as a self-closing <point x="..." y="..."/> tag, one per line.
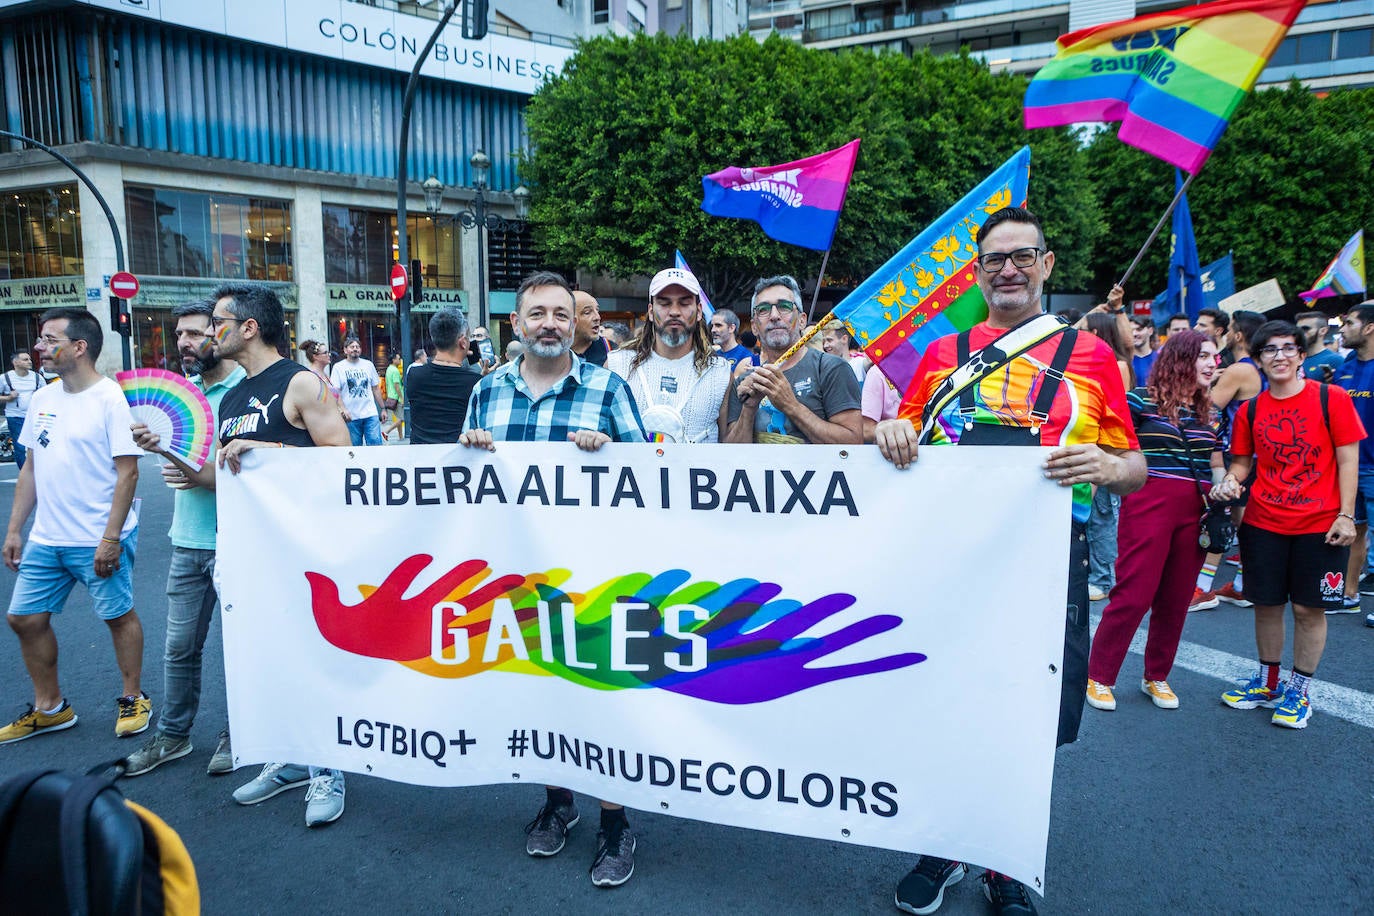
<point x="1163" y="444"/>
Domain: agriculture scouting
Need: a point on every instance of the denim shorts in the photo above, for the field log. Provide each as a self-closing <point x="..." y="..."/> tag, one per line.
<point x="47" y="575"/>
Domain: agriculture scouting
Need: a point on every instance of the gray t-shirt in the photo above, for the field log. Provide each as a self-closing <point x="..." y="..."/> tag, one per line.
<point x="824" y="384"/>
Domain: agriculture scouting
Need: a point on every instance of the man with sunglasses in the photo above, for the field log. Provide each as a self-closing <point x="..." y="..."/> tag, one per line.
<point x="80" y="477"/>
<point x="1060" y="389"/>
<point x="810" y="397"/>
<point x="279" y="404"/>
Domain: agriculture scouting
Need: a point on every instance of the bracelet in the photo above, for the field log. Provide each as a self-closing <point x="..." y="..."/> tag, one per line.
<point x="1345" y="515"/>
<point x="110" y="540"/>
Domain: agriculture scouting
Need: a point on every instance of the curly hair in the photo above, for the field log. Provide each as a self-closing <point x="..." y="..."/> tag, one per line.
<point x="1173" y="378"/>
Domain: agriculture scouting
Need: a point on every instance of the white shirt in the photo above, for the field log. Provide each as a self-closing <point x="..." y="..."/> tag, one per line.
<point x="75" y="439"/>
<point x="26" y="385"/>
<point x="672" y="388"/>
<point x="355" y="382"/>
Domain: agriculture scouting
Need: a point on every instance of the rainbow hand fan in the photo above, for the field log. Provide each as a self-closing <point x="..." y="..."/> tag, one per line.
<point x="174" y="409"/>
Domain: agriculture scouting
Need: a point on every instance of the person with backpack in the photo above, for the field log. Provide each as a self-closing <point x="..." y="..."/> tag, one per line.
<point x="1302" y="438"/>
<point x="16" y="390"/>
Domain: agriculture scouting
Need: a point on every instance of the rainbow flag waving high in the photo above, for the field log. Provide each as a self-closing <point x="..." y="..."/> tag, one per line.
<point x="1172" y="79"/>
<point x="929" y="288"/>
<point x="796" y="202"/>
<point x="1344" y="275"/>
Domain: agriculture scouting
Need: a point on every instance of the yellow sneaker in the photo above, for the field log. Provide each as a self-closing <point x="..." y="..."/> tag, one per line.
<point x="34" y="722"/>
<point x="1100" y="696"/>
<point x="134" y="713"/>
<point x="1160" y="694"/>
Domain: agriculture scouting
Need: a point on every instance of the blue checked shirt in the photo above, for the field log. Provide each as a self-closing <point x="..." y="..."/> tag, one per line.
<point x="588" y="397"/>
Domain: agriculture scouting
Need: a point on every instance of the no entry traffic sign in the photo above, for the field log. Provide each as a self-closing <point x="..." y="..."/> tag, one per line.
<point x="124" y="285"/>
<point x="399" y="281"/>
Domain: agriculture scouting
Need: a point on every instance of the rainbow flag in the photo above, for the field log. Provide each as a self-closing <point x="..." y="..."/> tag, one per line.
<point x="796" y="202"/>
<point x="1344" y="275"/>
<point x="1173" y="79"/>
<point x="929" y="288"/>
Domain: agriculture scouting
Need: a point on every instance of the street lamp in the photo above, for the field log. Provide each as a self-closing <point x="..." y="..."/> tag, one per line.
<point x="477" y="216"/>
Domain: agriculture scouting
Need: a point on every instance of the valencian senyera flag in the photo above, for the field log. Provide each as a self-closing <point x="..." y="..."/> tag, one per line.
<point x="930" y="288"/>
<point x="707" y="309"/>
<point x="1344" y="275"/>
<point x="1172" y="78"/>
<point x="796" y="202"/>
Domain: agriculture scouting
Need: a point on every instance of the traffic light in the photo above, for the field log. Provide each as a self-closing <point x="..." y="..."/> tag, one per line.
<point x="475" y="19"/>
<point x="119" y="317"/>
<point x="125" y="325"/>
<point x="417" y="281"/>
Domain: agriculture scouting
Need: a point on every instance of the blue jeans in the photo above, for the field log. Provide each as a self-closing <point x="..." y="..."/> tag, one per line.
<point x="367" y="431"/>
<point x="1364" y="499"/>
<point x="1102" y="539"/>
<point x="191" y="601"/>
<point x="16" y="425"/>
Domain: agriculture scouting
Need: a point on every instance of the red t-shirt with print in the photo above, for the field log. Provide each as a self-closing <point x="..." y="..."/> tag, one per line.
<point x="1297" y="490"/>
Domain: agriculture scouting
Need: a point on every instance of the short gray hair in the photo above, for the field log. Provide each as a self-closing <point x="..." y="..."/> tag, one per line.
<point x="446" y="326"/>
<point x="786" y="280"/>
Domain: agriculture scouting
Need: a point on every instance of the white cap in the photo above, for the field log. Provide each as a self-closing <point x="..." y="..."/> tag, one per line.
<point x="674" y="276"/>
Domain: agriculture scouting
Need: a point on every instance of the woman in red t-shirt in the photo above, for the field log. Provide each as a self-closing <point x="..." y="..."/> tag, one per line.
<point x="1302" y="438"/>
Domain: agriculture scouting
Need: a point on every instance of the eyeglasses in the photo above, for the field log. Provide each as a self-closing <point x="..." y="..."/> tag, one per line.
<point x="53" y="341"/>
<point x="217" y="320"/>
<point x="993" y="261"/>
<point x="1287" y="349"/>
<point x="784" y="307"/>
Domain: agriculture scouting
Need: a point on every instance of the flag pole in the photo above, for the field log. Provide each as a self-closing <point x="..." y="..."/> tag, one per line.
<point x="805" y="338"/>
<point x="1158" y="226"/>
<point x="816" y="293"/>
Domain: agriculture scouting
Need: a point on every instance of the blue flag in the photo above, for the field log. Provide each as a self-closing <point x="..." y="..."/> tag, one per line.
<point x="1218" y="281"/>
<point x="1185" y="273"/>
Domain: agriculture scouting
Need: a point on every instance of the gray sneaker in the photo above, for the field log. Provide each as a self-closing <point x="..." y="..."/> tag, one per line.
<point x="324" y="800"/>
<point x="222" y="760"/>
<point x="159" y="749"/>
<point x="549" y="829"/>
<point x="615" y="856"/>
<point x="274" y="779"/>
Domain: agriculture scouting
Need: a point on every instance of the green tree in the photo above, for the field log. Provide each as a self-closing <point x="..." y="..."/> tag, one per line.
<point x="1286" y="186"/>
<point x="621" y="140"/>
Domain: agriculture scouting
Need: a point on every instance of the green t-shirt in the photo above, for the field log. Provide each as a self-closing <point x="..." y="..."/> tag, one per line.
<point x="193" y="513"/>
<point x="393" y="382"/>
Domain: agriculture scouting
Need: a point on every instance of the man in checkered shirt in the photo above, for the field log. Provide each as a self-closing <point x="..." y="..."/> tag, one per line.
<point x="549" y="394"/>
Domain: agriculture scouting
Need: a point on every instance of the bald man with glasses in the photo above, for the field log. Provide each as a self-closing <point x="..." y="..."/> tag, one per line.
<point x="810" y="397"/>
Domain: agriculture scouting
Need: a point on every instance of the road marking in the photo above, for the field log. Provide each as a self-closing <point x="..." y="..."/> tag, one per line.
<point x="1327" y="698"/>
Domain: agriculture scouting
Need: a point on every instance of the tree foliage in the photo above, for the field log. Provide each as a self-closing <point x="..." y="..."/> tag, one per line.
<point x="621" y="140"/>
<point x="1288" y="183"/>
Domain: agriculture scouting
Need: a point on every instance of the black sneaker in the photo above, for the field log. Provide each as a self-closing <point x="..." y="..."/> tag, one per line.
<point x="923" y="889"/>
<point x="1367" y="584"/>
<point x="615" y="856"/>
<point x="1009" y="897"/>
<point x="549" y="830"/>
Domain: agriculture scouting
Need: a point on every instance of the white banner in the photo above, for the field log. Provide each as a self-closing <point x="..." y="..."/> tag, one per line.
<point x="798" y="639"/>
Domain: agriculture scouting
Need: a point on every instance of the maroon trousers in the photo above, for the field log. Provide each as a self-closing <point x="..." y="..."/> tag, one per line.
<point x="1157" y="562"/>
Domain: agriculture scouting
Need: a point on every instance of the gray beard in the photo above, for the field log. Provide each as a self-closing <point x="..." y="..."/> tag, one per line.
<point x="675" y="339"/>
<point x="546" y="350"/>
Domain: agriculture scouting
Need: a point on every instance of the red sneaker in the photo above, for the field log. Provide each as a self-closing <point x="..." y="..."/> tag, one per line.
<point x="1202" y="601"/>
<point x="1229" y="594"/>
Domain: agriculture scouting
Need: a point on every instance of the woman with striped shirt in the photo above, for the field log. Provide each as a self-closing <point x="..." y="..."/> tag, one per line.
<point x="1158" y="552"/>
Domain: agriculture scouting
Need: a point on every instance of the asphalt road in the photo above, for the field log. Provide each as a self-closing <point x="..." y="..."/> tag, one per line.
<point x="1199" y="810"/>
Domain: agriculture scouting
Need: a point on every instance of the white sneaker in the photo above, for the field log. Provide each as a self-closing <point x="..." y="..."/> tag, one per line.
<point x="324" y="800"/>
<point x="274" y="779"/>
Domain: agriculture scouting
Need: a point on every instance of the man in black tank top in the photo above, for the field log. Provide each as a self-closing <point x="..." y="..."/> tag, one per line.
<point x="280" y="404"/>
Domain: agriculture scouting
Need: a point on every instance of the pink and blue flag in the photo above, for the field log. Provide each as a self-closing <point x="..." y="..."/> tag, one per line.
<point x="796" y="202"/>
<point x="930" y="288"/>
<point x="1344" y="275"/>
<point x="1173" y="78"/>
<point x="707" y="310"/>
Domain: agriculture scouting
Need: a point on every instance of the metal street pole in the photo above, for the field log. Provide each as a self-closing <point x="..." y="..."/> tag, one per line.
<point x="123" y="304"/>
<point x="403" y="150"/>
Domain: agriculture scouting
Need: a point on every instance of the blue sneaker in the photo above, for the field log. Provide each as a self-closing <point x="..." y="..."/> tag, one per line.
<point x="1251" y="694"/>
<point x="1293" y="710"/>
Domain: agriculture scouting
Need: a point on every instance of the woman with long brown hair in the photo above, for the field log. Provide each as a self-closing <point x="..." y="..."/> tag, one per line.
<point x="1159" y="553"/>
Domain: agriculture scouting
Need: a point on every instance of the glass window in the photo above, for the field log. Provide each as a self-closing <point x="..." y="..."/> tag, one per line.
<point x="1286" y="54"/>
<point x="1314" y="48"/>
<point x="601" y="11"/>
<point x="177" y="233"/>
<point x="40" y="233"/>
<point x="1353" y="43"/>
<point x="360" y="247"/>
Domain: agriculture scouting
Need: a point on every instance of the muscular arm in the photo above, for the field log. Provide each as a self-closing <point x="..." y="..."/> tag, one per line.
<point x="311" y="406"/>
<point x="1238" y="382"/>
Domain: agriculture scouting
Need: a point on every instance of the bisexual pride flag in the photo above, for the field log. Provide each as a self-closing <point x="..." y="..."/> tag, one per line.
<point x="930" y="288"/>
<point x="707" y="309"/>
<point x="796" y="202"/>
<point x="1173" y="79"/>
<point x="1342" y="276"/>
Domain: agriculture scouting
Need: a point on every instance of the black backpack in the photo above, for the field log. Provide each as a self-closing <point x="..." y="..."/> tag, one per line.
<point x="73" y="844"/>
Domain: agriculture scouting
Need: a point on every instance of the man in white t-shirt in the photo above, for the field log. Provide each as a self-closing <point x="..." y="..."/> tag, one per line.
<point x="359" y="394"/>
<point x="678" y="381"/>
<point x="81" y="476"/>
<point x="16" y="389"/>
